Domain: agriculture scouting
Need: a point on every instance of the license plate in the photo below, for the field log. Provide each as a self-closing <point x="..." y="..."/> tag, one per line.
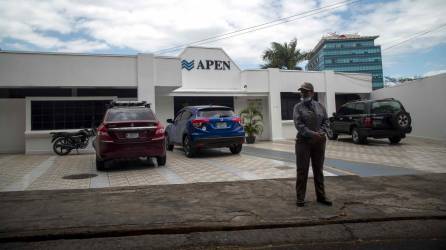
<point x="131" y="135"/>
<point x="221" y="125"/>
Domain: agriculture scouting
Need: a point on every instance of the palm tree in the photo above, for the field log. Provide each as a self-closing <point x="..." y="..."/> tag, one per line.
<point x="284" y="56"/>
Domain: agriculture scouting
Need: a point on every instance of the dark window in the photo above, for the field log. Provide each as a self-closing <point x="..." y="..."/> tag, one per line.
<point x="50" y="115"/>
<point x="52" y="91"/>
<point x="186" y="115"/>
<point x="178" y="117"/>
<point x="287" y="102"/>
<point x="119" y="92"/>
<point x="385" y="107"/>
<point x="347" y="109"/>
<point x="132" y="114"/>
<point x="359" y="108"/>
<point x="215" y="113"/>
<point x="342" y="110"/>
<point x="183" y="101"/>
<point x="42" y="91"/>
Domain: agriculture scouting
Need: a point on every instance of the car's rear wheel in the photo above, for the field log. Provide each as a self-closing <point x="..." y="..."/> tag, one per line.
<point x="331" y="135"/>
<point x="395" y="139"/>
<point x="189" y="150"/>
<point x="168" y="145"/>
<point x="161" y="160"/>
<point x="401" y="120"/>
<point x="357" y="137"/>
<point x="236" y="149"/>
<point x="100" y="164"/>
<point x="59" y="146"/>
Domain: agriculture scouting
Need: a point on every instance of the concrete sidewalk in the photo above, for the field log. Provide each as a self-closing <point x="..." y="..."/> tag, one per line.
<point x="244" y="206"/>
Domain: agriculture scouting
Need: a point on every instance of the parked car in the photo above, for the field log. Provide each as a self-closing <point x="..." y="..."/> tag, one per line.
<point x="129" y="130"/>
<point x="385" y="118"/>
<point x="210" y="126"/>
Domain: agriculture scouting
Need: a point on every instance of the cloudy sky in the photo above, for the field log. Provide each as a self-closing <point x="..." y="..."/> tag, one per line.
<point x="129" y="27"/>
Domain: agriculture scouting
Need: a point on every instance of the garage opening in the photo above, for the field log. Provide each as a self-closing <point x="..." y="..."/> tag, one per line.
<point x="180" y="102"/>
<point x="342" y="99"/>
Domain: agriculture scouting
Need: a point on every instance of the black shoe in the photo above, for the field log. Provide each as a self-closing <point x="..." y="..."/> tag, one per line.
<point x="300" y="203"/>
<point x="325" y="201"/>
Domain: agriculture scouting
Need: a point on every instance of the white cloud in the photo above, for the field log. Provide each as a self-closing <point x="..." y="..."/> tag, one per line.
<point x="147" y="26"/>
<point x="82" y="45"/>
<point x="435" y="72"/>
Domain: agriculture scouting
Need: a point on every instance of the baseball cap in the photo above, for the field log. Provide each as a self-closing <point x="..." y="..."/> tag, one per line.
<point x="306" y="86"/>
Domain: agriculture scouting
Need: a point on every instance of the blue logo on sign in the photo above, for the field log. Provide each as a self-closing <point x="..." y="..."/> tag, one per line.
<point x="187" y="65"/>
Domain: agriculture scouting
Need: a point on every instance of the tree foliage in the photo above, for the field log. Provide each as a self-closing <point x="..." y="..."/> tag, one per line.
<point x="284" y="56"/>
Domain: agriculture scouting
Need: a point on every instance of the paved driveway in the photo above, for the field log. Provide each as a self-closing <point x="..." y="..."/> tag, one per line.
<point x="262" y="160"/>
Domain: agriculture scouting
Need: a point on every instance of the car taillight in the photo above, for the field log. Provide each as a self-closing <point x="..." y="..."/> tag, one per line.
<point x="102" y="130"/>
<point x="159" y="130"/>
<point x="368" y="122"/>
<point x="199" y="122"/>
<point x="236" y="119"/>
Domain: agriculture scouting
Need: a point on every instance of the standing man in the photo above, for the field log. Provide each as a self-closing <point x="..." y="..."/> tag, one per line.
<point x="311" y="121"/>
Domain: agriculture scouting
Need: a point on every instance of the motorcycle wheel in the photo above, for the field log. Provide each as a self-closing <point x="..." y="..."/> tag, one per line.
<point x="58" y="146"/>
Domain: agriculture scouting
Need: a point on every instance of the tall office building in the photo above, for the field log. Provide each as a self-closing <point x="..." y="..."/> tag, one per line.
<point x="348" y="53"/>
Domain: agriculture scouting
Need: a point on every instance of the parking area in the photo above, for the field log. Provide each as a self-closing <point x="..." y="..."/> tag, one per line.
<point x="263" y="160"/>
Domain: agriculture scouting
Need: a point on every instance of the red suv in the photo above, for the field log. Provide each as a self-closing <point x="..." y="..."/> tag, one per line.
<point x="129" y="130"/>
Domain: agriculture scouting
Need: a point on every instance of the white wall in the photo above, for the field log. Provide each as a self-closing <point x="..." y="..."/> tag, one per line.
<point x="425" y="100"/>
<point x="241" y="102"/>
<point x="255" y="80"/>
<point x="167" y="71"/>
<point x="12" y="125"/>
<point x="326" y="83"/>
<point x="164" y="108"/>
<point x="59" y="70"/>
<point x="146" y="78"/>
<point x="290" y="80"/>
<point x="350" y="82"/>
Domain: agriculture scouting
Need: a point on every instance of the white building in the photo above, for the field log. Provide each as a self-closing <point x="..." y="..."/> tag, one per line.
<point x="43" y="92"/>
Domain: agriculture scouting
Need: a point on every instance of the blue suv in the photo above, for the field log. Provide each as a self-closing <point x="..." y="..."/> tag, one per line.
<point x="207" y="126"/>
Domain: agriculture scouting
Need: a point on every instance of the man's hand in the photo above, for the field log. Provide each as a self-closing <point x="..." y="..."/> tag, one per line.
<point x="319" y="137"/>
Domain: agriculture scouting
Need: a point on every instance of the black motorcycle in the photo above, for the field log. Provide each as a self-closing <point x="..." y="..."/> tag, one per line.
<point x="64" y="142"/>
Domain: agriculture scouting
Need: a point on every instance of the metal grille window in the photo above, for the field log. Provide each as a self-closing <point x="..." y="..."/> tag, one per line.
<point x="51" y="115"/>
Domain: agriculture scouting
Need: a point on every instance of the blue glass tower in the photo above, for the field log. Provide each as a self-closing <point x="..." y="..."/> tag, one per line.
<point x="348" y="53"/>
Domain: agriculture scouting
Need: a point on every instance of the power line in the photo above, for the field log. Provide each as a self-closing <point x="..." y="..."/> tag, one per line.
<point x="258" y="27"/>
<point x="261" y="26"/>
<point x="415" y="36"/>
<point x="290" y="20"/>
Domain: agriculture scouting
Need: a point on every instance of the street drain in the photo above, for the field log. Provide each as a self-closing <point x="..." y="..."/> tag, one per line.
<point x="79" y="176"/>
<point x="284" y="167"/>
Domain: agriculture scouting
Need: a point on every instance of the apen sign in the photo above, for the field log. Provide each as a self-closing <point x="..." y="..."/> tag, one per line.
<point x="208" y="68"/>
<point x="206" y="65"/>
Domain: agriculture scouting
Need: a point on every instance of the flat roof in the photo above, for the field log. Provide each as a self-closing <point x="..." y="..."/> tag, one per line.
<point x="342" y="37"/>
<point x="82" y="54"/>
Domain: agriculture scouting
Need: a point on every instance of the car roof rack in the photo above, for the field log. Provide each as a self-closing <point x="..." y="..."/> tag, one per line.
<point x="118" y="104"/>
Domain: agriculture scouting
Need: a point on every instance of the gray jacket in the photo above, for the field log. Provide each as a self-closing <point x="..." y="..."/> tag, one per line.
<point x="309" y="119"/>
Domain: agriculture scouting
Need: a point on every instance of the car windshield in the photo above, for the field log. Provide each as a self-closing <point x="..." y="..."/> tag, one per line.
<point x="215" y="113"/>
<point x="120" y="114"/>
<point x="386" y="107"/>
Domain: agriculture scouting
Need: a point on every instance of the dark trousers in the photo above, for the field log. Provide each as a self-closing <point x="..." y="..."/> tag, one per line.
<point x="306" y="150"/>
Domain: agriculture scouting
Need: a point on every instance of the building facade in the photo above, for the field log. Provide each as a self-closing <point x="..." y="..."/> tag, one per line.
<point x="45" y="92"/>
<point x="428" y="114"/>
<point x="349" y="53"/>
